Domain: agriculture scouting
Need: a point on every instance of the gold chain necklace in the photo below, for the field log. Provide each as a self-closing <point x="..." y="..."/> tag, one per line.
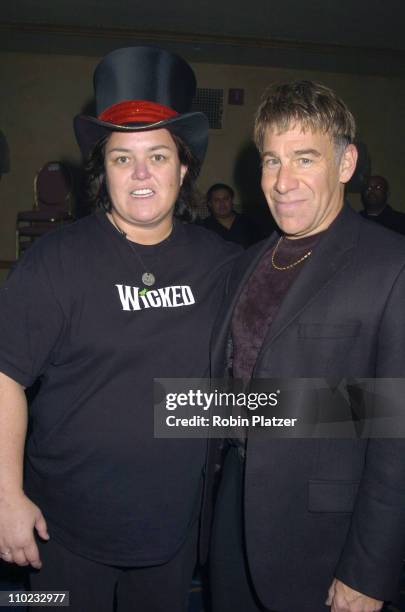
<point x="273" y="263"/>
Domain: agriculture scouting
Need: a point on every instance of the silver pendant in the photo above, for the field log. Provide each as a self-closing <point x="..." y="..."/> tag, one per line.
<point x="148" y="279"/>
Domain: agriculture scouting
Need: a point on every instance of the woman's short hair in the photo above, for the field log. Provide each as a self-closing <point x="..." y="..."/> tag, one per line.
<point x="96" y="186"/>
<point x="309" y="104"/>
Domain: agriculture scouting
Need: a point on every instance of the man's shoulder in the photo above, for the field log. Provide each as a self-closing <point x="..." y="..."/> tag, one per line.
<point x="395" y="211"/>
<point x="398" y="219"/>
<point x="208" y="241"/>
<point x="208" y="222"/>
<point x="381" y="238"/>
<point x="378" y="255"/>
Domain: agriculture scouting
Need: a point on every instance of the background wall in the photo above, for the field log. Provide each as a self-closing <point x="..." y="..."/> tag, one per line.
<point x="42" y="93"/>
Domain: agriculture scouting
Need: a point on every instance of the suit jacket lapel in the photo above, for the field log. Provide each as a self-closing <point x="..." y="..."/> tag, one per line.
<point x="331" y="254"/>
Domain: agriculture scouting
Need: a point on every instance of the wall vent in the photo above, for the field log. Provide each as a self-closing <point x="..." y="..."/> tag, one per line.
<point x="211" y="103"/>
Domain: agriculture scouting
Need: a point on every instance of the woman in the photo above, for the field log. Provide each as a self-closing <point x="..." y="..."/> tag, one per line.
<point x="98" y="310"/>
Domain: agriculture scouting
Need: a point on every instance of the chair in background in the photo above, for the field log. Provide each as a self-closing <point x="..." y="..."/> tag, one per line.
<point x="53" y="200"/>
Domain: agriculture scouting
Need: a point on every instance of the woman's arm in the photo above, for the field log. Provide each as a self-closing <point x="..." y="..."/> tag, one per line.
<point x="18" y="515"/>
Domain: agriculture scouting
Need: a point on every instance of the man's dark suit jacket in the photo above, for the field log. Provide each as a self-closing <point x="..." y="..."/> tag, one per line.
<point x="319" y="508"/>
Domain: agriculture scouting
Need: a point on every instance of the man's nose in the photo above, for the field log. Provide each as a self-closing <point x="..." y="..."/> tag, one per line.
<point x="285" y="179"/>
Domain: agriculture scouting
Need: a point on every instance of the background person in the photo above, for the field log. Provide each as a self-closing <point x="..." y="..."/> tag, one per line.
<point x="374" y="196"/>
<point x="97" y="310"/>
<point x="225" y="221"/>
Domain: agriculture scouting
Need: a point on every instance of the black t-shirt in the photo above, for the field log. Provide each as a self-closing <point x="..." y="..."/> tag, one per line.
<point x="73" y="312"/>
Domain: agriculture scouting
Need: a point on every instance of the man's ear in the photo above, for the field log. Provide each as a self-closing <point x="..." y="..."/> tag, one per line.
<point x="348" y="163"/>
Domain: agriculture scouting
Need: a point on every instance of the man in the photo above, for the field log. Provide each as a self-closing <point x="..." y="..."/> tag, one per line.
<point x="376" y="208"/>
<point x="301" y="523"/>
<point x="225" y="221"/>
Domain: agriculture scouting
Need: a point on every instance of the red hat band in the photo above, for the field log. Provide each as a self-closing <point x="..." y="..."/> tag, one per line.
<point x="136" y="111"/>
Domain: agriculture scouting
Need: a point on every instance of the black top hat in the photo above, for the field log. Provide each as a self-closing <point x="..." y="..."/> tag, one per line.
<point x="143" y="88"/>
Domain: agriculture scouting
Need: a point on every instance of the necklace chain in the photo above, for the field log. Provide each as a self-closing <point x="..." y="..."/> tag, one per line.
<point x="148" y="278"/>
<point x="292" y="265"/>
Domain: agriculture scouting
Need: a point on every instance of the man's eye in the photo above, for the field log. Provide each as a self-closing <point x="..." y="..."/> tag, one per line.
<point x="305" y="161"/>
<point x="270" y="162"/>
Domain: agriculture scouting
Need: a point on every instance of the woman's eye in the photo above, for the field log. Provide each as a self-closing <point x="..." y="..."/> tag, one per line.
<point x="158" y="157"/>
<point x="122" y="159"/>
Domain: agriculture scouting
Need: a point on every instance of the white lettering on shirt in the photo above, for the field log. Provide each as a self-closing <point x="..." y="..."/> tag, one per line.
<point x="132" y="298"/>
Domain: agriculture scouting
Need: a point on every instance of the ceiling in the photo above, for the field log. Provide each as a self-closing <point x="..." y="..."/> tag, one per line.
<point x="358" y="36"/>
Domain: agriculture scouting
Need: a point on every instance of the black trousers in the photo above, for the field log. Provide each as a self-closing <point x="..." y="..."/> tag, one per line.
<point x="231" y="585"/>
<point x="95" y="587"/>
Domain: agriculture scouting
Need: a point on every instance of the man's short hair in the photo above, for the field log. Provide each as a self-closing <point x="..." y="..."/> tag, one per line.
<point x="217" y="187"/>
<point x="312" y="105"/>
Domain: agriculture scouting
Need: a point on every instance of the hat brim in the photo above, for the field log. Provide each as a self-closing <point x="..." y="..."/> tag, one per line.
<point x="192" y="128"/>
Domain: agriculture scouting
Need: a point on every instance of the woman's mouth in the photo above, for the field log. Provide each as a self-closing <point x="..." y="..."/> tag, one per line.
<point x="142" y="193"/>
